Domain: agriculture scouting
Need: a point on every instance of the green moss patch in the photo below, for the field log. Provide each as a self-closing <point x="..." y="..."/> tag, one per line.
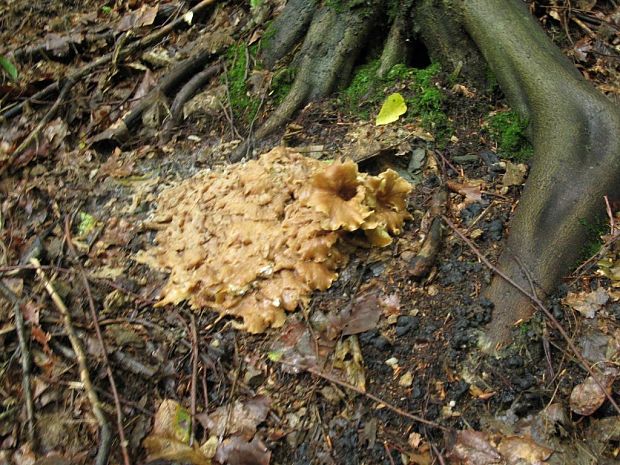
<point x="507" y="129"/>
<point x="244" y="106"/>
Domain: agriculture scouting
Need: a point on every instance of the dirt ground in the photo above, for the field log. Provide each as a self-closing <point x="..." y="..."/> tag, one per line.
<point x="191" y="386"/>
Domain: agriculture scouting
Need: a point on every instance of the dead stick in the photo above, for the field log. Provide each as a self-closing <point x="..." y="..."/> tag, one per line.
<point x="10" y="296"/>
<point x="194" y="334"/>
<point x="104" y="428"/>
<point x="106" y="361"/>
<point x="393" y="408"/>
<point x="538" y="304"/>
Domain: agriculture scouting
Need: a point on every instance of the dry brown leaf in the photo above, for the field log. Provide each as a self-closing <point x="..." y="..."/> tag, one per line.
<point x="522" y="450"/>
<point x="242" y="420"/>
<point x="588" y="396"/>
<point x="472" y="189"/>
<point x="473" y="448"/>
<point x="238" y="451"/>
<point x="587" y="303"/>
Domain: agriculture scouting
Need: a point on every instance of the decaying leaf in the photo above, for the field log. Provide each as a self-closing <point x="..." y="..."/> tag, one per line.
<point x="587" y="303"/>
<point x="473" y="448"/>
<point x="472" y="189"/>
<point x="393" y="106"/>
<point x="238" y="451"/>
<point x="254" y="240"/>
<point x="348" y="357"/>
<point x="169" y="439"/>
<point x="588" y="396"/>
<point x="522" y="450"/>
<point x="242" y="420"/>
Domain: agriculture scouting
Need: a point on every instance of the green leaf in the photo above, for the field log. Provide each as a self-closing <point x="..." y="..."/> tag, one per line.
<point x="8" y="67"/>
<point x="106" y="9"/>
<point x="392" y="108"/>
<point x="86" y="224"/>
<point x="255" y="3"/>
<point x="275" y="356"/>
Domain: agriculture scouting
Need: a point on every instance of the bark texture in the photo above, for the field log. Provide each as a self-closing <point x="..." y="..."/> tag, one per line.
<point x="575" y="132"/>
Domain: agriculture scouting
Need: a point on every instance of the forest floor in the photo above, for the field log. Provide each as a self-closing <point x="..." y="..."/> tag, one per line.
<point x="396" y="377"/>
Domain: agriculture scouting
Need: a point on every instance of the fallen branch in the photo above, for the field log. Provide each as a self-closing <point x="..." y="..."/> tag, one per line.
<point x="104" y="429"/>
<point x="393" y="408"/>
<point x="106" y="361"/>
<point x="10" y="296"/>
<point x="187" y="92"/>
<point x="536" y="301"/>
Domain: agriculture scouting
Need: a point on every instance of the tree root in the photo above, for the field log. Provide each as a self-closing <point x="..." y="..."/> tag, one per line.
<point x="576" y="139"/>
<point x="187" y="92"/>
<point x="325" y="61"/>
<point x="120" y="130"/>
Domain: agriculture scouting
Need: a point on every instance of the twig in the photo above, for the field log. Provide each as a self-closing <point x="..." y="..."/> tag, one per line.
<point x="104" y="428"/>
<point x="393" y="408"/>
<point x="106" y="361"/>
<point x="146" y="41"/>
<point x="187" y="91"/>
<point x="538" y="304"/>
<point x="10" y="296"/>
<point x="80" y="73"/>
<point x="194" y="382"/>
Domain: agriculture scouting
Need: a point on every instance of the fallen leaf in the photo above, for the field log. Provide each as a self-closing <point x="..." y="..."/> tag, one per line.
<point x="348" y="357"/>
<point x="393" y="106"/>
<point x="588" y="396"/>
<point x="519" y="450"/>
<point x="238" y="451"/>
<point x="473" y="448"/>
<point x="587" y="303"/>
<point x="169" y="438"/>
<point x="242" y="420"/>
<point x="472" y="190"/>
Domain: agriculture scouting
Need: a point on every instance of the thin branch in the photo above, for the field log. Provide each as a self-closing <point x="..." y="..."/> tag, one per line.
<point x="105" y="436"/>
<point x="393" y="408"/>
<point x="10" y="296"/>
<point x="538" y="304"/>
<point x="106" y="361"/>
<point x="195" y="350"/>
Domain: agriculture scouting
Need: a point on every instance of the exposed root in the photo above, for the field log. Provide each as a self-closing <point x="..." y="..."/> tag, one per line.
<point x="120" y="130"/>
<point x="287" y="30"/>
<point x="325" y="61"/>
<point x="187" y="92"/>
<point x="576" y="154"/>
<point x="395" y="48"/>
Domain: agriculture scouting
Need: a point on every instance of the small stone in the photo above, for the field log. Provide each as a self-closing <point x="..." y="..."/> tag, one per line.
<point x="406" y="380"/>
<point x="392" y="362"/>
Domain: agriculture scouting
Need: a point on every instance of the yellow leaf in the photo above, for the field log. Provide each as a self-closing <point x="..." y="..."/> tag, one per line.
<point x="392" y="108"/>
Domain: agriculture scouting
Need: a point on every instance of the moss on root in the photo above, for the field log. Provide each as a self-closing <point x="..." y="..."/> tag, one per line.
<point x="244" y="106"/>
<point x="507" y="130"/>
<point x="425" y="100"/>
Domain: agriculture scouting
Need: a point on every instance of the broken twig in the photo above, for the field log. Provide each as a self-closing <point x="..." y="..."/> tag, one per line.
<point x="104" y="429"/>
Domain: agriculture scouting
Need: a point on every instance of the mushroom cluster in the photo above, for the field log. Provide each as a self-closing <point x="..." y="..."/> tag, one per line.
<point x="254" y="240"/>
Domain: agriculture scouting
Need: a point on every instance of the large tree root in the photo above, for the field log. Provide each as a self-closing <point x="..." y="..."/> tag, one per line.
<point x="576" y="138"/>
